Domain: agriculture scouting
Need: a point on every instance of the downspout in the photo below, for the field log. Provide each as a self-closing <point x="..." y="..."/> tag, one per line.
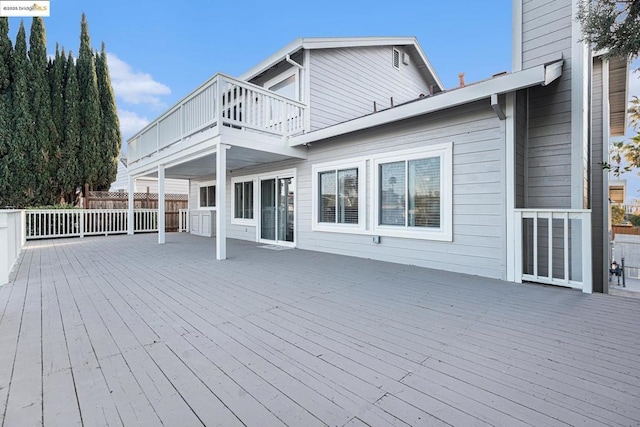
<point x="292" y="62"/>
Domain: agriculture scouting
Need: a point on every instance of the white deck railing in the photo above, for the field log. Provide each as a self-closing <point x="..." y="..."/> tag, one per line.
<point x="553" y="246"/>
<point x="12" y="240"/>
<point x="225" y="101"/>
<point x="53" y="223"/>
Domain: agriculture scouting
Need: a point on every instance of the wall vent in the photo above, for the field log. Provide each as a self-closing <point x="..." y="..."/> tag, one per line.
<point x="396" y="58"/>
<point x="406" y="60"/>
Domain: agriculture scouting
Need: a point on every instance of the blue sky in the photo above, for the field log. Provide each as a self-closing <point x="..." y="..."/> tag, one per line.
<point x="159" y="52"/>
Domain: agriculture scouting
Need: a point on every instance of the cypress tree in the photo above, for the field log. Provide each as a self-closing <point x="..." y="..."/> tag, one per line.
<point x="23" y="151"/>
<point x="70" y="174"/>
<point x="89" y="108"/>
<point x="44" y="130"/>
<point x="110" y="138"/>
<point x="5" y="132"/>
<point x="56" y="83"/>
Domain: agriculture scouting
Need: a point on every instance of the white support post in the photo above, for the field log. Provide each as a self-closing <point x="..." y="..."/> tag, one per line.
<point x="510" y="178"/>
<point x="518" y="248"/>
<point x="221" y="196"/>
<point x="587" y="273"/>
<point x="161" y="206"/>
<point x="130" y="217"/>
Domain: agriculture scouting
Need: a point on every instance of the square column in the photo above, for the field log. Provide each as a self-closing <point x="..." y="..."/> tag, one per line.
<point x="161" y="206"/>
<point x="221" y="198"/>
<point x="130" y="217"/>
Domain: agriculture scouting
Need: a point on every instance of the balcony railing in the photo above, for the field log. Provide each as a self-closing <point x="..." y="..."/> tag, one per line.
<point x="224" y="101"/>
<point x="553" y="246"/>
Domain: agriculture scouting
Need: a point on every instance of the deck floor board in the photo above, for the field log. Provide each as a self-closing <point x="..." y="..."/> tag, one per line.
<point x="122" y="331"/>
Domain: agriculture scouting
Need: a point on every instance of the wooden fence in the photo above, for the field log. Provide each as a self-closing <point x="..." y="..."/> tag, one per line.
<point x="120" y="200"/>
<point x="625" y="229"/>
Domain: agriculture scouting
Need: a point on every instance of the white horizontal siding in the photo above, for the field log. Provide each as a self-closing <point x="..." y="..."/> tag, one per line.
<point x="478" y="192"/>
<point x="122" y="179"/>
<point x="344" y="83"/>
<point x="171" y="186"/>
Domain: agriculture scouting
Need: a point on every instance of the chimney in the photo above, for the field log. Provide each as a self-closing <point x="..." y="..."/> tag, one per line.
<point x="461" y="79"/>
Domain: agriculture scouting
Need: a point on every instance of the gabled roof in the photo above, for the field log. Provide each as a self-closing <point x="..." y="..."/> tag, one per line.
<point x="540" y="75"/>
<point x="311" y="43"/>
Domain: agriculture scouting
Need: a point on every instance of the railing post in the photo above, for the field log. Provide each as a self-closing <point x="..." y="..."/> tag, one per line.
<point x="517" y="223"/>
<point x="218" y="107"/>
<point x="587" y="275"/>
<point x="82" y="224"/>
<point x="4" y="248"/>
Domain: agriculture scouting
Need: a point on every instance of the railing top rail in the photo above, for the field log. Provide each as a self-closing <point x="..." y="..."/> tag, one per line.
<point x="553" y="210"/>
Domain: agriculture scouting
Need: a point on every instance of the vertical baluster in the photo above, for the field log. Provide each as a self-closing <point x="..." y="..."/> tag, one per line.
<point x="565" y="223"/>
<point x="535" y="244"/>
<point x="550" y="245"/>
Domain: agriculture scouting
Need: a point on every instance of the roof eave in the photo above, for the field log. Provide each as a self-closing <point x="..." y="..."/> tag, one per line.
<point x="338" y="42"/>
<point x="540" y="75"/>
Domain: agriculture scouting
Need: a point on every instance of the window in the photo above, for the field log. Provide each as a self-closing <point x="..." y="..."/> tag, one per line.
<point x="410" y="193"/>
<point x="207" y="196"/>
<point x="338" y="196"/>
<point x="413" y="193"/>
<point x="243" y="200"/>
<point x="338" y="203"/>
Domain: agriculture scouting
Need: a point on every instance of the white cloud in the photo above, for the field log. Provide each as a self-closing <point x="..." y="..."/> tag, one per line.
<point x="130" y="123"/>
<point x="135" y="87"/>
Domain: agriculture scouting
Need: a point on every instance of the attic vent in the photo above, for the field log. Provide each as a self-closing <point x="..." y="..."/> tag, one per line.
<point x="396" y="58"/>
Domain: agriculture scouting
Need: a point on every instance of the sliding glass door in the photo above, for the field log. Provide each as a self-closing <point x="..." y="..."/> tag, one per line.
<point x="277" y="206"/>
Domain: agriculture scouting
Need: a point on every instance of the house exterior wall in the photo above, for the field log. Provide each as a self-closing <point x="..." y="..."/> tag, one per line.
<point x="599" y="228"/>
<point x="171" y="186"/>
<point x="344" y="83"/>
<point x="547" y="34"/>
<point x="478" y="244"/>
<point x="122" y="178"/>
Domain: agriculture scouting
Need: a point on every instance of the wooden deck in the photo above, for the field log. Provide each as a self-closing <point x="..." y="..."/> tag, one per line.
<point x="119" y="330"/>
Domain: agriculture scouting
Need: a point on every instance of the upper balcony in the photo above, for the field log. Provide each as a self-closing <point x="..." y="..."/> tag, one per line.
<point x="221" y="101"/>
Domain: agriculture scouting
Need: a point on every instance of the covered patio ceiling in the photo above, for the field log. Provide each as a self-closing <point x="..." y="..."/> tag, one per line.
<point x="237" y="158"/>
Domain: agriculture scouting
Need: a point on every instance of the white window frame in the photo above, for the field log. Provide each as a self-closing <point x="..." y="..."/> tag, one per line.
<point x="256" y="210"/>
<point x="286" y="173"/>
<point x="205" y="184"/>
<point x="445" y="231"/>
<point x="294" y="71"/>
<point x="361" y="166"/>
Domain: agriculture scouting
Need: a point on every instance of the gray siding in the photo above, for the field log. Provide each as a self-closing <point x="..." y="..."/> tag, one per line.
<point x="546" y="31"/>
<point x="549" y="146"/>
<point x="346" y="82"/>
<point x="598" y="180"/>
<point x="478" y="245"/>
<point x="546" y="34"/>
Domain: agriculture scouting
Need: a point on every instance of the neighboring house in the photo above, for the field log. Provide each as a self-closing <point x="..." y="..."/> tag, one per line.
<point x="146" y="184"/>
<point x="618" y="191"/>
<point x="353" y="146"/>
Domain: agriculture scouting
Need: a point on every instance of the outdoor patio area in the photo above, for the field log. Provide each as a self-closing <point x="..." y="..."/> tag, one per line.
<point x="122" y="331"/>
